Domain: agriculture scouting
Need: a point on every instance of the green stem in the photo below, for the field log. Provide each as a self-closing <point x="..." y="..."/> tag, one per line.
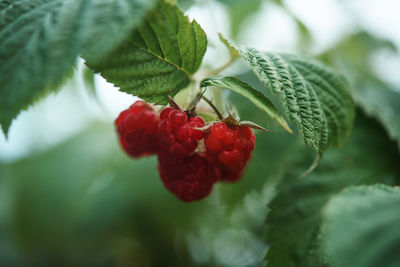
<point x="217" y="92"/>
<point x="217" y="97"/>
<point x="312" y="167"/>
<point x="213" y="107"/>
<point x="220" y="69"/>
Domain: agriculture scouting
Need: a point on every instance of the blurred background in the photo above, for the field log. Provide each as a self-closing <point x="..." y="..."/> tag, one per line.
<point x="70" y="197"/>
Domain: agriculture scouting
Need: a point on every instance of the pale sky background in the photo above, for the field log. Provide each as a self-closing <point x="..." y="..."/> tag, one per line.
<point x="72" y="109"/>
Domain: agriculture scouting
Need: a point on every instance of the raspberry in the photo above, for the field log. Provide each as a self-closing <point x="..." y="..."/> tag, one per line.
<point x="176" y="131"/>
<point x="190" y="178"/>
<point x="230" y="148"/>
<point x="137" y="127"/>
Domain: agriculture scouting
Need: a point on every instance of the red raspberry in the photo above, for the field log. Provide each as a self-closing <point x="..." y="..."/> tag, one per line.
<point x="230" y="148"/>
<point x="190" y="178"/>
<point x="176" y="131"/>
<point x="137" y="127"/>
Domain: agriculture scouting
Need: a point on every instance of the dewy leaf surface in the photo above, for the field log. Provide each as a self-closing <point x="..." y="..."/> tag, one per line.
<point x="315" y="97"/>
<point x="361" y="227"/>
<point x="41" y="39"/>
<point x="244" y="89"/>
<point x="158" y="58"/>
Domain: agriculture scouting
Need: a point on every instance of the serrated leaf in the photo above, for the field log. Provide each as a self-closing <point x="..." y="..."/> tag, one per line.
<point x="361" y="227"/>
<point x="158" y="58"/>
<point x="294" y="220"/>
<point x="315" y="97"/>
<point x="232" y="50"/>
<point x="41" y="39"/>
<point x="257" y="98"/>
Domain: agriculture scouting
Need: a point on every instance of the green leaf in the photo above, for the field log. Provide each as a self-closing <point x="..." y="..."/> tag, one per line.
<point x="376" y="97"/>
<point x="257" y="98"/>
<point x="232" y="50"/>
<point x="361" y="227"/>
<point x="158" y="58"/>
<point x="305" y="35"/>
<point x="381" y="102"/>
<point x="41" y="39"/>
<point x="239" y="11"/>
<point x="186" y="4"/>
<point x="294" y="220"/>
<point x="315" y="97"/>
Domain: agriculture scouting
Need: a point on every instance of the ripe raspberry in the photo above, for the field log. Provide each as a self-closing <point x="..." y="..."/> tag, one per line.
<point x="190" y="178"/>
<point x="230" y="148"/>
<point x="176" y="131"/>
<point x="137" y="127"/>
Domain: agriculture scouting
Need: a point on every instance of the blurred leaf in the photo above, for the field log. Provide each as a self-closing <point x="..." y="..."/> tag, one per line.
<point x="257" y="98"/>
<point x="314" y="96"/>
<point x="295" y="216"/>
<point x="361" y="227"/>
<point x="354" y="52"/>
<point x="159" y="58"/>
<point x="305" y="35"/>
<point x="374" y="96"/>
<point x="381" y="102"/>
<point x="40" y="41"/>
<point x="239" y="11"/>
<point x="185" y="4"/>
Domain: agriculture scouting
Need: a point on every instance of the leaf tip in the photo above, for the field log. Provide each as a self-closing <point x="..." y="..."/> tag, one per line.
<point x="5" y="128"/>
<point x="285" y="126"/>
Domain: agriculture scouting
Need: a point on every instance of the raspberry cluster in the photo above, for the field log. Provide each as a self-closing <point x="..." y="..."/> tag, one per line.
<point x="190" y="159"/>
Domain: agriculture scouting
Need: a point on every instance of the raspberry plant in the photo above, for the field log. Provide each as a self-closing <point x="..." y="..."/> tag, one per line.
<point x="151" y="50"/>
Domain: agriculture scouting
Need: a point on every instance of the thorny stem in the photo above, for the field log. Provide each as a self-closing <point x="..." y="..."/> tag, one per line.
<point x="213" y="107"/>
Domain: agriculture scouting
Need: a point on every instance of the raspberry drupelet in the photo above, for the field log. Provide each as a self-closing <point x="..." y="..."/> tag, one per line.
<point x="137" y="128"/>
<point x="229" y="148"/>
<point x="190" y="178"/>
<point x="177" y="131"/>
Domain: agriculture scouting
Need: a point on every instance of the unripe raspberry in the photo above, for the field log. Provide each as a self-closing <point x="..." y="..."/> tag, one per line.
<point x="137" y="127"/>
<point x="190" y="177"/>
<point x="177" y="133"/>
<point x="230" y="148"/>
